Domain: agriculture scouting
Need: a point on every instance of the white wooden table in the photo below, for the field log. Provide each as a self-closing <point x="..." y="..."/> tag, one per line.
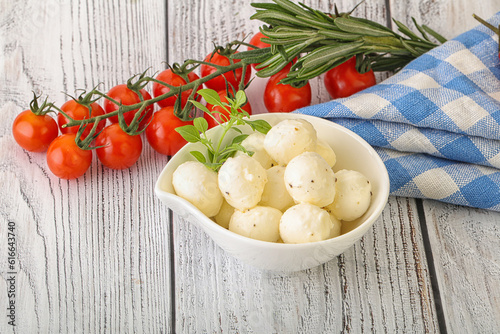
<point x="102" y="254"/>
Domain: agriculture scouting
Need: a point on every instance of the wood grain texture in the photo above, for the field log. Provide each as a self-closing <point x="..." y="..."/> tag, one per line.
<point x="380" y="285"/>
<point x="449" y="18"/>
<point x="466" y="254"/>
<point x="93" y="253"/>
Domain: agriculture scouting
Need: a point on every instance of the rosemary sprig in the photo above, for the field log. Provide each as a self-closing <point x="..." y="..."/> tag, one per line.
<point x="322" y="41"/>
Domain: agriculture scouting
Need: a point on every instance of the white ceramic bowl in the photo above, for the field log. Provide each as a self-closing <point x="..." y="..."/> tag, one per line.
<point x="352" y="153"/>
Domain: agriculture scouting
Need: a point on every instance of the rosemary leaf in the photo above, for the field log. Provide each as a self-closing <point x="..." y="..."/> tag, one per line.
<point x="339" y="35"/>
<point x="419" y="28"/>
<point x="358" y="27"/>
<point x="404" y="29"/>
<point x="434" y="34"/>
<point x="293" y="8"/>
<point x="325" y="53"/>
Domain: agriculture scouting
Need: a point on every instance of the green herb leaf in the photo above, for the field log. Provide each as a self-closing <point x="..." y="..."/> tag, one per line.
<point x="210" y="96"/>
<point x="201" y="124"/>
<point x="189" y="133"/>
<point x="199" y="156"/>
<point x="238" y="139"/>
<point x="259" y="125"/>
<point x="434" y="34"/>
<point x="240" y="98"/>
<point x="357" y="27"/>
<point x="200" y="106"/>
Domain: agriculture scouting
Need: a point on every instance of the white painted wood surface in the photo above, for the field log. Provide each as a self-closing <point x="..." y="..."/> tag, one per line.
<point x="95" y="254"/>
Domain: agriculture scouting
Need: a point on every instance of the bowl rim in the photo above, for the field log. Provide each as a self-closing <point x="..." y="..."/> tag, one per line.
<point x="356" y="233"/>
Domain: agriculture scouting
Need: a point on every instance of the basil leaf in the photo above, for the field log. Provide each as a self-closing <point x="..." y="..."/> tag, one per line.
<point x="259" y="125"/>
<point x="200" y="124"/>
<point x="241" y="98"/>
<point x="200" y="157"/>
<point x="189" y="133"/>
<point x="239" y="139"/>
<point x="199" y="106"/>
<point x="210" y="96"/>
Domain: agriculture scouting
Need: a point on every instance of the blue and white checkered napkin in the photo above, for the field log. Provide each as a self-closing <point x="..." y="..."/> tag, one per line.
<point x="436" y="123"/>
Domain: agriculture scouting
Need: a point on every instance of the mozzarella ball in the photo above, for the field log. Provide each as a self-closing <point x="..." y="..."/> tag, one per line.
<point x="197" y="184"/>
<point x="305" y="223"/>
<point x="224" y="215"/>
<point x="260" y="222"/>
<point x="336" y="226"/>
<point x="326" y="151"/>
<point x="353" y="195"/>
<point x="241" y="181"/>
<point x="275" y="194"/>
<point x="255" y="144"/>
<point x="309" y="179"/>
<point x="289" y="138"/>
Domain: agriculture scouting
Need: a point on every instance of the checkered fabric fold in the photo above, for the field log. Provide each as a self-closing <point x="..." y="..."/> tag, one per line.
<point x="436" y="123"/>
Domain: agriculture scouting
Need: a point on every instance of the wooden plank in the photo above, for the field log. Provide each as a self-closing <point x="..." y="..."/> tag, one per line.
<point x="449" y="18"/>
<point x="466" y="250"/>
<point x="93" y="253"/>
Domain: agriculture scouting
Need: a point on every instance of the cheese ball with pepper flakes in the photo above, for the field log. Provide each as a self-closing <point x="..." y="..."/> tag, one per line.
<point x="255" y="144"/>
<point x="275" y="194"/>
<point x="305" y="223"/>
<point x="310" y="179"/>
<point x="260" y="222"/>
<point x="353" y="195"/>
<point x="197" y="184"/>
<point x="241" y="181"/>
<point x="289" y="138"/>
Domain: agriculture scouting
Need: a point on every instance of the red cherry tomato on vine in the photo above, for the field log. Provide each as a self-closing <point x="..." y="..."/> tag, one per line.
<point x="65" y="159"/>
<point x="344" y="80"/>
<point x="126" y="96"/>
<point x="119" y="150"/>
<point x="233" y="77"/>
<point x="173" y="79"/>
<point x="33" y="132"/>
<point x="79" y="112"/>
<point x="220" y="111"/>
<point x="161" y="133"/>
<point x="285" y="98"/>
<point x="257" y="41"/>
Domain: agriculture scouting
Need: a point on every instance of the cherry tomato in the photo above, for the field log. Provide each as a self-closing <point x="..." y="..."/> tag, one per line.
<point x="79" y="112"/>
<point x="65" y="159"/>
<point x="233" y="77"/>
<point x="119" y="150"/>
<point x="285" y="98"/>
<point x="344" y="80"/>
<point x="218" y="115"/>
<point x="173" y="79"/>
<point x="123" y="94"/>
<point x="33" y="132"/>
<point x="257" y="41"/>
<point x="161" y="133"/>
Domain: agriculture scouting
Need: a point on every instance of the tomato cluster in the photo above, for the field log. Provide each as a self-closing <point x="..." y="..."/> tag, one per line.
<point x="117" y="149"/>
